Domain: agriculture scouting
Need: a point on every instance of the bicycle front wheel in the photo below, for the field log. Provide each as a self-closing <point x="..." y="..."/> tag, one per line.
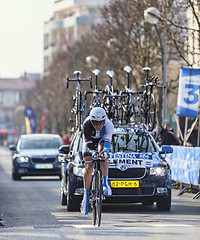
<point x="93" y="198"/>
<point x="94" y="213"/>
<point x="97" y="199"/>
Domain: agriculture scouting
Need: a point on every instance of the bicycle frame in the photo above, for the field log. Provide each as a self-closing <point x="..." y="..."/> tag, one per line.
<point x="96" y="100"/>
<point x="126" y="107"/>
<point x="78" y="101"/>
<point x="148" y="105"/>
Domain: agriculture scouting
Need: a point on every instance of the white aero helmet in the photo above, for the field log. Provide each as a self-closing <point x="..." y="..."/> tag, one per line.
<point x="97" y="114"/>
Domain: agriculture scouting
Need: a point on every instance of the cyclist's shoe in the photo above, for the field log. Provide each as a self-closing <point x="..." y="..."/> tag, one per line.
<point x="84" y="206"/>
<point x="107" y="190"/>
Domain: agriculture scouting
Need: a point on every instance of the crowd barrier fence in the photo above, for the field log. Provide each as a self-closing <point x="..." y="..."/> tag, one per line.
<point x="185" y="164"/>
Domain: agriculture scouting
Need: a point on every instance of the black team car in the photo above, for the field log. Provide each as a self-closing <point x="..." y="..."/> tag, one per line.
<point x="138" y="171"/>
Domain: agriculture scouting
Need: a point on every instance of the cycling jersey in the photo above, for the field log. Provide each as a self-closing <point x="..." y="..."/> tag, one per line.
<point x="91" y="137"/>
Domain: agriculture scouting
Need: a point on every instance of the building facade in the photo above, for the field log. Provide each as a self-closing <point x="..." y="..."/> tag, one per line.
<point x="194" y="35"/>
<point x="12" y="94"/>
<point x="71" y="20"/>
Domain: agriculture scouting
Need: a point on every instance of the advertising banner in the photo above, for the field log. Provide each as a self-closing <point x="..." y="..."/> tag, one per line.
<point x="28" y="126"/>
<point x="30" y="116"/>
<point x="42" y="119"/>
<point x="188" y="94"/>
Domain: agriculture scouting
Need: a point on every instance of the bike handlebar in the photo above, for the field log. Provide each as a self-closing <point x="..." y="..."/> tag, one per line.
<point x="99" y="154"/>
<point x="160" y="86"/>
<point x="152" y="84"/>
<point x="99" y="157"/>
<point x="78" y="80"/>
<point x="115" y="96"/>
<point x="132" y="92"/>
<point x="95" y="91"/>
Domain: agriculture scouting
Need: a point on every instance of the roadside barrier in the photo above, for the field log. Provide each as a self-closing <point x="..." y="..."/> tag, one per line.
<point x="185" y="167"/>
<point x="185" y="164"/>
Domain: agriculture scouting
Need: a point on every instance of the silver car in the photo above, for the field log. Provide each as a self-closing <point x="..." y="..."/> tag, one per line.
<point x="36" y="155"/>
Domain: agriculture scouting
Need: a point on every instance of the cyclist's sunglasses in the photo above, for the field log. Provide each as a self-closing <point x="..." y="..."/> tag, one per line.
<point x="95" y="123"/>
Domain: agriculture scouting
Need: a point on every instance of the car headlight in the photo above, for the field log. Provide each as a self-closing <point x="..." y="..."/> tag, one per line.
<point x="78" y="171"/>
<point x="60" y="158"/>
<point x="22" y="159"/>
<point x="158" y="171"/>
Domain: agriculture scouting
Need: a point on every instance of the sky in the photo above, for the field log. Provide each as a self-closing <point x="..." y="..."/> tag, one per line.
<point x="21" y="36"/>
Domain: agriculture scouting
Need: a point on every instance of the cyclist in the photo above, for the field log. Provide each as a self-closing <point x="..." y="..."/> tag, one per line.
<point x="97" y="133"/>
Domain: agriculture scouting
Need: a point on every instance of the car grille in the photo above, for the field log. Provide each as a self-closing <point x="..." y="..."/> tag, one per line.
<point x="133" y="191"/>
<point x="128" y="173"/>
<point x="43" y="160"/>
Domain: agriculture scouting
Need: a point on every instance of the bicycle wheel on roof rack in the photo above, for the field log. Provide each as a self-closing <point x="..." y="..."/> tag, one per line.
<point x="107" y="105"/>
<point x="131" y="114"/>
<point x="139" y="109"/>
<point x="121" y="115"/>
<point x="96" y="101"/>
<point x="151" y="114"/>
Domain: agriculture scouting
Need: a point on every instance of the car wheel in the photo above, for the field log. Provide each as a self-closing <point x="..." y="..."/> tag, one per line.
<point x="63" y="198"/>
<point x="72" y="204"/>
<point x="164" y="203"/>
<point x="16" y="176"/>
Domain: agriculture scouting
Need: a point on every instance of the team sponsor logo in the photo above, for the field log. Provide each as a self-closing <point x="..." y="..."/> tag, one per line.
<point x="130" y="156"/>
<point x="127" y="159"/>
<point x="138" y="162"/>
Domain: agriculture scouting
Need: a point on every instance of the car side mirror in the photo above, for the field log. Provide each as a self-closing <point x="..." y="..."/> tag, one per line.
<point x="12" y="147"/>
<point x="166" y="149"/>
<point x="64" y="149"/>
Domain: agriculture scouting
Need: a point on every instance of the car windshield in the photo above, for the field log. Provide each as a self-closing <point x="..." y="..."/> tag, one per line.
<point x="132" y="142"/>
<point x="40" y="143"/>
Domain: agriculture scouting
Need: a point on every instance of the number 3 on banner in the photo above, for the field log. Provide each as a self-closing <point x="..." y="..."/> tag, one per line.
<point x="193" y="93"/>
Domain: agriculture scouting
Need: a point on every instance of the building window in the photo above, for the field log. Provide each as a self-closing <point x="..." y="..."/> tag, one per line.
<point x="8" y="116"/>
<point x="46" y="63"/>
<point x="46" y="41"/>
<point x="1" y="97"/>
<point x="93" y="10"/>
<point x="17" y="96"/>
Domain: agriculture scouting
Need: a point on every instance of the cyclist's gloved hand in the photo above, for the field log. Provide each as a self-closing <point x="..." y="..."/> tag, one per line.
<point x="94" y="155"/>
<point x="105" y="154"/>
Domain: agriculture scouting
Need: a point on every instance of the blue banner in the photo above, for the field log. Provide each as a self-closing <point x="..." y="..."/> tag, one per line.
<point x="188" y="93"/>
<point x="30" y="114"/>
<point x="185" y="163"/>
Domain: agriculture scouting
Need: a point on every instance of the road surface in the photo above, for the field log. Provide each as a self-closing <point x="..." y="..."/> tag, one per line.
<point x="30" y="209"/>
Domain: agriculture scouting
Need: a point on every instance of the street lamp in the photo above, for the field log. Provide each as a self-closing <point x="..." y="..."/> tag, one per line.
<point x="152" y="15"/>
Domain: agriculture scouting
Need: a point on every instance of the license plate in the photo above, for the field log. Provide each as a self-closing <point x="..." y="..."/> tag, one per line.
<point x="43" y="166"/>
<point x="124" y="184"/>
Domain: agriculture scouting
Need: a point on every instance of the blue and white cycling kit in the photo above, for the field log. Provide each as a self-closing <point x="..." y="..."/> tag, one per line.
<point x="92" y="137"/>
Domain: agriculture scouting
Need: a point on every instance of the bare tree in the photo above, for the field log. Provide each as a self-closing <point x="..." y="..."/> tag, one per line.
<point x="123" y="38"/>
<point x="185" y="20"/>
